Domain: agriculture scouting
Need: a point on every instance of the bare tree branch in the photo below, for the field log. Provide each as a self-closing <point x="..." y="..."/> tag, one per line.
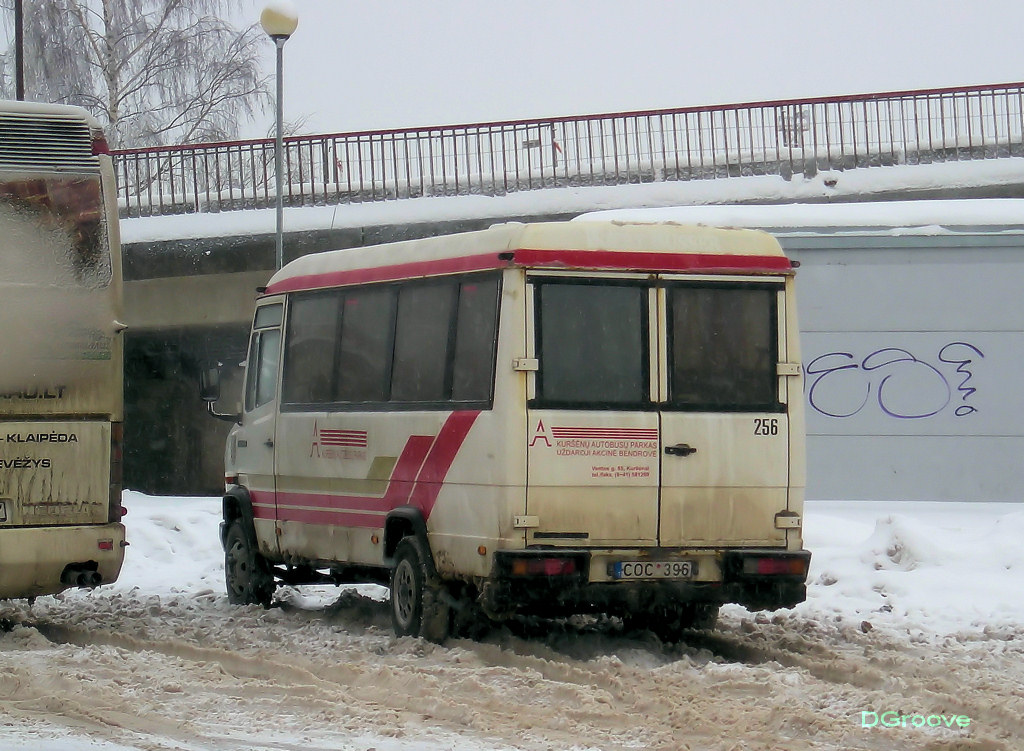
<point x="154" y="71"/>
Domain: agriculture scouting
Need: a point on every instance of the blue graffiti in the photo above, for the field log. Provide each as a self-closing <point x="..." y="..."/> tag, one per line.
<point x="961" y="355"/>
<point x="905" y="386"/>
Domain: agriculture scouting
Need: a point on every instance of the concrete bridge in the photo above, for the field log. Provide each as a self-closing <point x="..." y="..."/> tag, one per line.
<point x="198" y="236"/>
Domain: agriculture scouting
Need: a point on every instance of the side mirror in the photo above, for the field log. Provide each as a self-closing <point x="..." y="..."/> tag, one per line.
<point x="209" y="392"/>
<point x="209" y="383"/>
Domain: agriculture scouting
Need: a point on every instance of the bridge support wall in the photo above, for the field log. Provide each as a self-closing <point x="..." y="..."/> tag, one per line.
<point x="912" y="344"/>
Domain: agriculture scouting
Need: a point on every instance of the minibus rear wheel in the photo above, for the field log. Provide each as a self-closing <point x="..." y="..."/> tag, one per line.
<point x="417" y="607"/>
<point x="247" y="575"/>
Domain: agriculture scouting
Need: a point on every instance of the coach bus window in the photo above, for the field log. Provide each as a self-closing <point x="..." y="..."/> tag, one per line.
<point x="69" y="211"/>
<point x="366" y="345"/>
<point x="309" y="360"/>
<point x="592" y="344"/>
<point x="473" y="370"/>
<point x="421" y="342"/>
<point x="723" y="347"/>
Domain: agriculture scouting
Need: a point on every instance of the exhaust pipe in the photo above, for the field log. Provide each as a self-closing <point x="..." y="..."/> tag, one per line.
<point x="79" y="576"/>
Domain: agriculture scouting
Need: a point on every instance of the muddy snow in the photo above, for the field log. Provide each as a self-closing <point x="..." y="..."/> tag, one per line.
<point x="912" y="638"/>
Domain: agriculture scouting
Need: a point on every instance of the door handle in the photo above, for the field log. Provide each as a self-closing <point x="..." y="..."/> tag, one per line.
<point x="680" y="449"/>
<point x="270" y="444"/>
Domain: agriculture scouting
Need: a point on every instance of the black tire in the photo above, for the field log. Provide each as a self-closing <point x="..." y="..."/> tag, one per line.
<point x="417" y="604"/>
<point x="247" y="575"/>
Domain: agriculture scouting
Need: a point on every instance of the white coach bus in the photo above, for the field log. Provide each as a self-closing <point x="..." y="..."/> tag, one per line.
<point x="61" y="372"/>
<point x="535" y="418"/>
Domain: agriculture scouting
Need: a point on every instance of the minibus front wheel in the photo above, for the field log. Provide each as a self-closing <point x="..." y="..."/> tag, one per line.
<point x="247" y="575"/>
<point x="417" y="604"/>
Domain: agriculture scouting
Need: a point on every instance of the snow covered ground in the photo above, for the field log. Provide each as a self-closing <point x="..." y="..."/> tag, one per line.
<point x="913" y="608"/>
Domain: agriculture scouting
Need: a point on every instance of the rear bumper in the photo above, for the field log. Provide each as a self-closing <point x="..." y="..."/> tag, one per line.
<point x="33" y="559"/>
<point x="722" y="577"/>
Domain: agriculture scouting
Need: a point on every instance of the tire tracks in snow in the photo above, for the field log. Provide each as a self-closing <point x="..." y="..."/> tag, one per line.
<point x="791" y="682"/>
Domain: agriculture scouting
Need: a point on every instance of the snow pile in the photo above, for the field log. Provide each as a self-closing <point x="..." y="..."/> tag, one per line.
<point x="934" y="567"/>
<point x="174" y="545"/>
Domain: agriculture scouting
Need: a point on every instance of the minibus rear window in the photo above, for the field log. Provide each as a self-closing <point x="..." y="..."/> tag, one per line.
<point x="593" y="344"/>
<point x="723" y="347"/>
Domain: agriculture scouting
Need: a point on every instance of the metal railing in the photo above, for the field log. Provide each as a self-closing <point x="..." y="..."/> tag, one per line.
<point x="690" y="143"/>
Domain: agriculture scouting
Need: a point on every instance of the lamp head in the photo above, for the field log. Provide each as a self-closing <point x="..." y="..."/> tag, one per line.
<point x="279" y="19"/>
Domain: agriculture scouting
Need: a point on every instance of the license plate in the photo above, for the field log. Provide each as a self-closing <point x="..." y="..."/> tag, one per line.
<point x="653" y="569"/>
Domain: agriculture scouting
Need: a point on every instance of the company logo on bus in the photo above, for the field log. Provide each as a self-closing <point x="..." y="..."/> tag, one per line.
<point x="597" y="441"/>
<point x="330" y="443"/>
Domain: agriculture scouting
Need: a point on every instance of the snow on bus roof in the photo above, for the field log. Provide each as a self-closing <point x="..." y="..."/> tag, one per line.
<point x="13" y="106"/>
<point x="890" y="217"/>
<point x="591" y="245"/>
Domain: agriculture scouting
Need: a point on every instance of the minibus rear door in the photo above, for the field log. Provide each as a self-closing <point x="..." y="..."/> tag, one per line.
<point x="724" y="428"/>
<point x="592" y="430"/>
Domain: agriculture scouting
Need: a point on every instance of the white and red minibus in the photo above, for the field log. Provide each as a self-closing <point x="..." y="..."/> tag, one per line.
<point x="547" y="418"/>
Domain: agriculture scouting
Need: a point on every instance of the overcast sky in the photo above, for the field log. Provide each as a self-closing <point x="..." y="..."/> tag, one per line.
<point x="398" y="63"/>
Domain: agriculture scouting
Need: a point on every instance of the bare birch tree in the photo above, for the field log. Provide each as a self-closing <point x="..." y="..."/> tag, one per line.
<point x="153" y="71"/>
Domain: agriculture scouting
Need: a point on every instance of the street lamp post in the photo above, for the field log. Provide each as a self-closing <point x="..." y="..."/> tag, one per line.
<point x="19" y="50"/>
<point x="279" y="20"/>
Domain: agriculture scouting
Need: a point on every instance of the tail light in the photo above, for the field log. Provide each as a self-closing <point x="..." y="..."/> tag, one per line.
<point x="547" y="566"/>
<point x="775" y="566"/>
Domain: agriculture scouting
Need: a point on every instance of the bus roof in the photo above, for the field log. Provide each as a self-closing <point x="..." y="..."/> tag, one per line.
<point x="38" y="137"/>
<point x="69" y="111"/>
<point x="584" y="245"/>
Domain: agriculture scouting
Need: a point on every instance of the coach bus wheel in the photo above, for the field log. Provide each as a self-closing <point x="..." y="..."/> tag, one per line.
<point x="417" y="608"/>
<point x="246" y="574"/>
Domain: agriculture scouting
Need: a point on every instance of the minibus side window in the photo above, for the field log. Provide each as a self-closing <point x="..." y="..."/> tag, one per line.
<point x="264" y="357"/>
<point x="723" y="347"/>
<point x="593" y="344"/>
<point x="423" y="330"/>
<point x="309" y="361"/>
<point x="367" y="329"/>
<point x="418" y="344"/>
<point x="473" y="369"/>
<point x="270" y="353"/>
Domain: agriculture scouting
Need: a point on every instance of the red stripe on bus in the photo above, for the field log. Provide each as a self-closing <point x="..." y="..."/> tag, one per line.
<point x="335" y="518"/>
<point x="387" y="273"/>
<point x="632" y="260"/>
<point x="264" y="509"/>
<point x="604" y="432"/>
<point x="403" y="476"/>
<point x="416" y="478"/>
<point x="618" y="260"/>
<point x="439" y="461"/>
<point x="330" y="502"/>
<point x="400" y="485"/>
